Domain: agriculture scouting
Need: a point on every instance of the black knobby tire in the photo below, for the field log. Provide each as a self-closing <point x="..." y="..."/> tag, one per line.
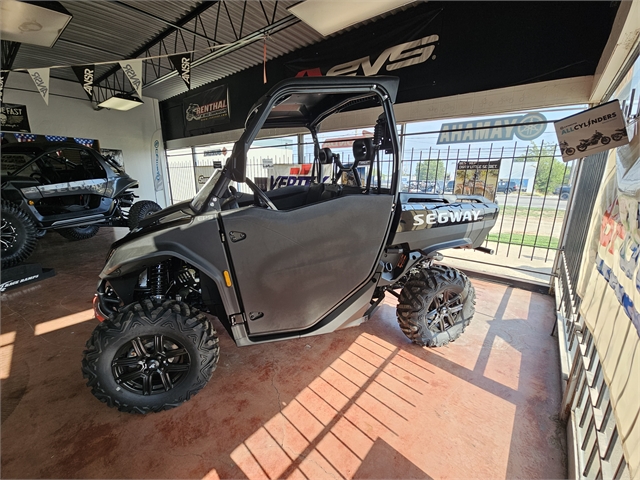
<point x="79" y="233"/>
<point x="435" y="306"/>
<point x="18" y="235"/>
<point x="150" y="356"/>
<point x="141" y="209"/>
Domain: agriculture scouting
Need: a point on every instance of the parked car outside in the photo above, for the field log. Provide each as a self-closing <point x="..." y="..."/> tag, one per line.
<point x="449" y="187"/>
<point x="563" y="191"/>
<point x="507" y="187"/>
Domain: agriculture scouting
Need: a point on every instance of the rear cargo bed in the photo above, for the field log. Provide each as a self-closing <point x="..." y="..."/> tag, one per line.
<point x="434" y="222"/>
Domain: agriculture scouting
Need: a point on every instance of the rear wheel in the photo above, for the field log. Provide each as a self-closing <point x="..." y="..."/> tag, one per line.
<point x="435" y="306"/>
<point x="18" y="235"/>
<point x="151" y="356"/>
<point x="79" y="233"/>
<point x="140" y="210"/>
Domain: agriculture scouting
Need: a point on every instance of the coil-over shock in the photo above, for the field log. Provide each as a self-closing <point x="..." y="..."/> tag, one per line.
<point x="158" y="281"/>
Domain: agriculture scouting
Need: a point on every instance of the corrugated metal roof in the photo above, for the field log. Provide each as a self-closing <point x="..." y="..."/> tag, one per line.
<point x="107" y="30"/>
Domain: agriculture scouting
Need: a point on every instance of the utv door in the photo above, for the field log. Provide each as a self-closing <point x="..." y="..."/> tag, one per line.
<point x="293" y="267"/>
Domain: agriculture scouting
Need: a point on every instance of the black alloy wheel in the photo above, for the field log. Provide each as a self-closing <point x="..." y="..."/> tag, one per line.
<point x="151" y="364"/>
<point x="17" y="235"/>
<point x="435" y="306"/>
<point x="150" y="356"/>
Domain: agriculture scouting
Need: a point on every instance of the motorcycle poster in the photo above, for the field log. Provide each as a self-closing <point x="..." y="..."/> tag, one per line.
<point x="592" y="131"/>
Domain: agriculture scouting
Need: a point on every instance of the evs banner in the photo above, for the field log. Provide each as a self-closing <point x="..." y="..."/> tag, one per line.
<point x="3" y="80"/>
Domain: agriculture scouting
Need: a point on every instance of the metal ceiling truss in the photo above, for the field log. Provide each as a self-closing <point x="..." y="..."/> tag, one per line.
<point x="225" y="25"/>
<point x="9" y="53"/>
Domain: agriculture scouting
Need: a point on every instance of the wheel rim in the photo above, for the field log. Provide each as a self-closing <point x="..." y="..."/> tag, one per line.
<point x="444" y="311"/>
<point x="8" y="235"/>
<point x="151" y="364"/>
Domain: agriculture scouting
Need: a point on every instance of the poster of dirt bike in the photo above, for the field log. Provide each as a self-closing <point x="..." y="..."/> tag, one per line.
<point x="477" y="178"/>
<point x="592" y="131"/>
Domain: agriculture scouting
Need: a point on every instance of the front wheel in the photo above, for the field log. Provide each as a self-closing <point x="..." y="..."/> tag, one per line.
<point x="605" y="140"/>
<point x="150" y="356"/>
<point x="18" y="235"/>
<point x="616" y="137"/>
<point x="582" y="148"/>
<point x="79" y="233"/>
<point x="435" y="306"/>
<point x="570" y="151"/>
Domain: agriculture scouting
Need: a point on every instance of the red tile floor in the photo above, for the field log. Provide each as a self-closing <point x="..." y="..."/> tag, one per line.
<point x="359" y="403"/>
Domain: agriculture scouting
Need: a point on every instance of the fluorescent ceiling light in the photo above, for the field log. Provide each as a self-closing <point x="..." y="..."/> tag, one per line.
<point x="121" y="102"/>
<point x="330" y="16"/>
<point x="39" y="24"/>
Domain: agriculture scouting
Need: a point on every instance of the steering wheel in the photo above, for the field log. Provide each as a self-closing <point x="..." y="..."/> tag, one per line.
<point x="260" y="196"/>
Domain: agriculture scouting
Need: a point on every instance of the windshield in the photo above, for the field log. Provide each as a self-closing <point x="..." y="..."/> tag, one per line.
<point x="200" y="199"/>
<point x="12" y="162"/>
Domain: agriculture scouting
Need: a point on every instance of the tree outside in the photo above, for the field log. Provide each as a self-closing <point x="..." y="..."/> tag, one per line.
<point x="550" y="173"/>
<point x="428" y="170"/>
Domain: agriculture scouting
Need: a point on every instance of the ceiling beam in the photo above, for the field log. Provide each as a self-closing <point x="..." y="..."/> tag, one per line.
<point x="275" y="27"/>
<point x="166" y="22"/>
<point x="158" y="38"/>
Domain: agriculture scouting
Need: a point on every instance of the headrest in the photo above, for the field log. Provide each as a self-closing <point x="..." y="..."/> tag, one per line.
<point x="325" y="156"/>
<point x="363" y="149"/>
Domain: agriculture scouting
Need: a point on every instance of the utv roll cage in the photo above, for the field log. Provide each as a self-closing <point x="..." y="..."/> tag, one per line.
<point x="306" y="103"/>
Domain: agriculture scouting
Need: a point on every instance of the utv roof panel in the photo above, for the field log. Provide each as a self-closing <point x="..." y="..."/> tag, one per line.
<point x="303" y="100"/>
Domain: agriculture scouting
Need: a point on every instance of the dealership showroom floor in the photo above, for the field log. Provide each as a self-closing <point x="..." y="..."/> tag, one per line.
<point x="414" y="226"/>
<point x="363" y="402"/>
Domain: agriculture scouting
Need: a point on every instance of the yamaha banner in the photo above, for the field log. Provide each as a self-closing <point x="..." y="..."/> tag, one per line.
<point x="85" y="75"/>
<point x="182" y="63"/>
<point x="206" y="109"/>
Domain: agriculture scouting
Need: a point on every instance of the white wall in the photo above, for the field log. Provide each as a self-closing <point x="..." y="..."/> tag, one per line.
<point x="70" y="114"/>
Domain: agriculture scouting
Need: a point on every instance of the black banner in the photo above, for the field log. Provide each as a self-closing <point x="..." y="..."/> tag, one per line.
<point x="182" y="63"/>
<point x="3" y="80"/>
<point x="206" y="109"/>
<point x="86" y="74"/>
<point x="437" y="49"/>
<point x="408" y="53"/>
<point x="14" y="118"/>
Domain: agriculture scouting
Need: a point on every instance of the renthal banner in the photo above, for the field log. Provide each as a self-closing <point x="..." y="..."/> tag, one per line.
<point x="206" y="109"/>
<point x="592" y="131"/>
<point x="405" y="53"/>
<point x="525" y="127"/>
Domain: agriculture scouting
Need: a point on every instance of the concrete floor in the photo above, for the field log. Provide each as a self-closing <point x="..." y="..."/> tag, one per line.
<point x="359" y="403"/>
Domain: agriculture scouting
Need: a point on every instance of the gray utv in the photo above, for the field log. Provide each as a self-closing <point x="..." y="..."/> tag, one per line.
<point x="306" y="259"/>
<point x="66" y="187"/>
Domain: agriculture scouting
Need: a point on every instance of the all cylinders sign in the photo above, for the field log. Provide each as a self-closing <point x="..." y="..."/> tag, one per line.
<point x="592" y="131"/>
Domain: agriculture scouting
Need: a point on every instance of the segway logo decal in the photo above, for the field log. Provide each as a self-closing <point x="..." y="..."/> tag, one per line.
<point x="445" y="217"/>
